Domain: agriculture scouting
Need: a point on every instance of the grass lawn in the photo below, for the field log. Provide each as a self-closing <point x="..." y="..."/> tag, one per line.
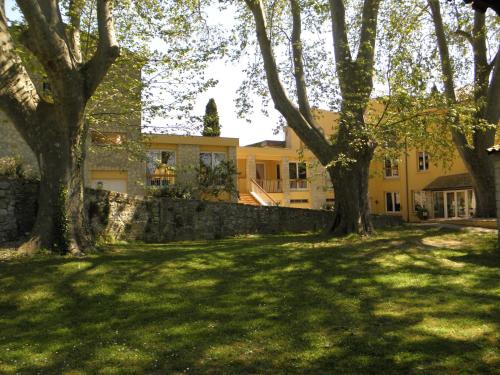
<point x="404" y="301"/>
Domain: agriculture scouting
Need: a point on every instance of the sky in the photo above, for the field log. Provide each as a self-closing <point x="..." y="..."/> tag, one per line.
<point x="228" y="76"/>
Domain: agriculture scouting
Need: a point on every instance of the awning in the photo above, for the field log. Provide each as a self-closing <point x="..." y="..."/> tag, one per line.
<point x="452" y="182"/>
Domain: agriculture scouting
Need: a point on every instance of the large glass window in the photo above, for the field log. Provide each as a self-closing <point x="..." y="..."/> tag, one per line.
<point x="298" y="175"/>
<point x="160" y="167"/>
<point x="391" y="168"/>
<point x="438" y="204"/>
<point x="423" y="161"/>
<point x="212" y="159"/>
<point x="419" y="200"/>
<point x="392" y="202"/>
<point x="160" y="159"/>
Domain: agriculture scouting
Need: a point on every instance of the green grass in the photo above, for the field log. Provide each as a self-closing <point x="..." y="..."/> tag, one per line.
<point x="403" y="301"/>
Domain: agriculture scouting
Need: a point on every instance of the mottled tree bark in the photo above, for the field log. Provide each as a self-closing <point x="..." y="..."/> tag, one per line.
<point x="55" y="128"/>
<point x="487" y="102"/>
<point x="348" y="158"/>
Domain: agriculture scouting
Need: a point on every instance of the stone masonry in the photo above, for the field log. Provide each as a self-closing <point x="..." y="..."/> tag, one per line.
<point x="17" y="207"/>
<point x="115" y="216"/>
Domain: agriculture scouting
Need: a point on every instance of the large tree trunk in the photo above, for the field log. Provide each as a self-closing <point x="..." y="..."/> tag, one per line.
<point x="61" y="221"/>
<point x="350" y="174"/>
<point x="351" y="211"/>
<point x="480" y="167"/>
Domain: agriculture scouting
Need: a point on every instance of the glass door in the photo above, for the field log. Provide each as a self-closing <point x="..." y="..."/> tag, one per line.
<point x="451" y="205"/>
<point x="438" y="204"/>
<point x="461" y="204"/>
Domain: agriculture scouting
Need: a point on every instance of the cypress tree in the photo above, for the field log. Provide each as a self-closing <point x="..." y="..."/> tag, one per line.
<point x="211" y="126"/>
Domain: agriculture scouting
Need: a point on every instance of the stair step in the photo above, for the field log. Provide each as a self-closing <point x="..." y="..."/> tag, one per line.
<point x="248" y="199"/>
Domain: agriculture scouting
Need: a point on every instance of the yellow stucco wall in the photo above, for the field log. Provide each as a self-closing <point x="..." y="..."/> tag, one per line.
<point x="410" y="179"/>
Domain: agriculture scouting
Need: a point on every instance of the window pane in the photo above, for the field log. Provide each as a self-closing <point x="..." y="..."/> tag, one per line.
<point x="302" y="171"/>
<point x="218" y="157"/>
<point x="388" y="200"/>
<point x="293" y="171"/>
<point x="426" y="161"/>
<point x="168" y="158"/>
<point x="206" y="159"/>
<point x="154" y="160"/>
<point x="397" y="203"/>
<point x="395" y="168"/>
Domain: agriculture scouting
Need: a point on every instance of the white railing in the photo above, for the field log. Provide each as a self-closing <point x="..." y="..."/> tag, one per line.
<point x="260" y="194"/>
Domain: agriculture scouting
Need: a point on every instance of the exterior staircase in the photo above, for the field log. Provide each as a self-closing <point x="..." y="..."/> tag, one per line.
<point x="246" y="198"/>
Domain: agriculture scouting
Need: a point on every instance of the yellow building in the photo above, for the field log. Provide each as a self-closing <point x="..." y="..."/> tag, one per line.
<point x="170" y="160"/>
<point x="281" y="173"/>
<point x="414" y="186"/>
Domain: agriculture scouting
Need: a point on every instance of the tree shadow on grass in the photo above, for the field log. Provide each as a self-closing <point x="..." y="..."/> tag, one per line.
<point x="294" y="304"/>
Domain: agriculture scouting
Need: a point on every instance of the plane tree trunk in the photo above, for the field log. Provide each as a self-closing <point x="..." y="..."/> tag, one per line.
<point x="54" y="128"/>
<point x="347" y="158"/>
<point x="486" y="98"/>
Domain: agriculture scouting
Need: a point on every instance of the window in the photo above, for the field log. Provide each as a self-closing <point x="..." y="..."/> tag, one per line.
<point x="212" y="159"/>
<point x="298" y="175"/>
<point x="391" y="168"/>
<point x="160" y="159"/>
<point x="107" y="138"/>
<point x="299" y="200"/>
<point x="392" y="202"/>
<point x="423" y="161"/>
<point x="419" y="200"/>
<point x="160" y="168"/>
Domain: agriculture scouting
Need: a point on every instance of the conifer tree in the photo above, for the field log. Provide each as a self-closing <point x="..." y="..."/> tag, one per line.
<point x="211" y="126"/>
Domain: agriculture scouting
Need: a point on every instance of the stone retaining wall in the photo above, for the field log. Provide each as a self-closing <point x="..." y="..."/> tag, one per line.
<point x="133" y="218"/>
<point x="18" y="205"/>
<point x="123" y="217"/>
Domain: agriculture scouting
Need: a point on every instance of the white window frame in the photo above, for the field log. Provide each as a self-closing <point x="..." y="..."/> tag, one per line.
<point x="298" y="182"/>
<point x="425" y="157"/>
<point x="422" y="200"/>
<point x="393" y="195"/>
<point x="212" y="158"/>
<point x="394" y="167"/>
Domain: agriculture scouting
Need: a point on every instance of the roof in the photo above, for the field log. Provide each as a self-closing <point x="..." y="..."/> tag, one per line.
<point x="494" y="149"/>
<point x="268" y="143"/>
<point x="191" y="140"/>
<point x="451" y="182"/>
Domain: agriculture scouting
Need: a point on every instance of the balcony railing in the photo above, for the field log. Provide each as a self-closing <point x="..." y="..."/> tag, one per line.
<point x="161" y="180"/>
<point x="271" y="186"/>
<point x="298" y="184"/>
<point x="260" y="194"/>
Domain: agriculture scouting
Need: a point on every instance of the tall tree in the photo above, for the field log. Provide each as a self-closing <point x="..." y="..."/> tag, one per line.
<point x="55" y="130"/>
<point x="473" y="140"/>
<point x="347" y="156"/>
<point x="211" y="125"/>
<point x="74" y="44"/>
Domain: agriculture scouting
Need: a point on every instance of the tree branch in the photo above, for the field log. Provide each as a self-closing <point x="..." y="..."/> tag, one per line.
<point x="341" y="48"/>
<point x="493" y="96"/>
<point x="444" y="52"/>
<point x="314" y="140"/>
<point x="107" y="49"/>
<point x="18" y="97"/>
<point x="300" y="82"/>
<point x="465" y="34"/>
<point x="45" y="36"/>
<point x="368" y="34"/>
<point x="75" y="9"/>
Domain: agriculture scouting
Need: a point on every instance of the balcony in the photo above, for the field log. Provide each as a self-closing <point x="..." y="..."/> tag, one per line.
<point x="161" y="180"/>
<point x="271" y="186"/>
<point x="299" y="184"/>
